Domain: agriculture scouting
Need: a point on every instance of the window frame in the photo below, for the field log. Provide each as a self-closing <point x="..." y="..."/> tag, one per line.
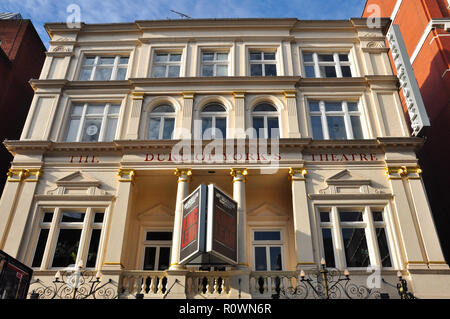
<point x="263" y="62"/>
<point x="337" y="63"/>
<point x="368" y="224"/>
<point x="265" y="115"/>
<point x="157" y="244"/>
<point x="166" y="64"/>
<point x="214" y="62"/>
<point x="213" y="116"/>
<point x="162" y="116"/>
<point x="115" y="66"/>
<point x="267" y="244"/>
<point x="345" y="113"/>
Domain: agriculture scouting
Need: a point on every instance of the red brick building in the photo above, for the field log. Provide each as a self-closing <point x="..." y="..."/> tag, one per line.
<point x="22" y="55"/>
<point x="425" y="26"/>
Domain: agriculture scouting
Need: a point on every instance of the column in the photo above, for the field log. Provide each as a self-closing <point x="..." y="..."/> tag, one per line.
<point x="239" y="179"/>
<point x="291" y="106"/>
<point x="20" y="215"/>
<point x="115" y="243"/>
<point x="405" y="221"/>
<point x="137" y="98"/>
<point x="239" y="114"/>
<point x="425" y="220"/>
<point x="188" y="106"/>
<point x="302" y="222"/>
<point x="184" y="178"/>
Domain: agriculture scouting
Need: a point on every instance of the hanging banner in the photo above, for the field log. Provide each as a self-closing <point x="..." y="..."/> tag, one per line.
<point x="222" y="225"/>
<point x="193" y="225"/>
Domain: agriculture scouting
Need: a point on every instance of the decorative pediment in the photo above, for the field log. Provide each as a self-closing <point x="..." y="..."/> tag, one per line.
<point x="77" y="183"/>
<point x="159" y="211"/>
<point x="346" y="182"/>
<point x="267" y="212"/>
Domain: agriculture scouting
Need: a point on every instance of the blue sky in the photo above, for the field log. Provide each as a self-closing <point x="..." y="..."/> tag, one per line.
<point x="96" y="11"/>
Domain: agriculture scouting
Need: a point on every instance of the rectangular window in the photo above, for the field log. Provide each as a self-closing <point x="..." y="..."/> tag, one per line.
<point x="326" y="65"/>
<point x="262" y="63"/>
<point x="166" y="65"/>
<point x="214" y="64"/>
<point x="92" y="123"/>
<point x="268" y="250"/>
<point x="335" y="120"/>
<point x="157" y="247"/>
<point x="104" y="68"/>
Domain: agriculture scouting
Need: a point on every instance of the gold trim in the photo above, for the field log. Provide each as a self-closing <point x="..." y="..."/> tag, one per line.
<point x="137" y="95"/>
<point x="188" y="95"/>
<point x="437" y="262"/>
<point x="183" y="172"/>
<point x="290" y="94"/>
<point x="126" y="172"/>
<point x="239" y="94"/>
<point x="296" y="171"/>
<point x="237" y="172"/>
<point x="416" y="262"/>
<point x="306" y="263"/>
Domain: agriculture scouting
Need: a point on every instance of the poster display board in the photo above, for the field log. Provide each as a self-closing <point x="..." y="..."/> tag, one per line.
<point x="14" y="278"/>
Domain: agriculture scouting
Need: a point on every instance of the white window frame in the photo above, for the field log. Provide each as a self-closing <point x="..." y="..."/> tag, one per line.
<point x="162" y="116"/>
<point x="215" y="62"/>
<point x="84" y="116"/>
<point x="367" y="224"/>
<point x="116" y="65"/>
<point x="157" y="244"/>
<point x="345" y="113"/>
<point x="213" y="115"/>
<point x="87" y="226"/>
<point x="266" y="115"/>
<point x="267" y="244"/>
<point x="167" y="63"/>
<point x="263" y="62"/>
<point x="337" y="63"/>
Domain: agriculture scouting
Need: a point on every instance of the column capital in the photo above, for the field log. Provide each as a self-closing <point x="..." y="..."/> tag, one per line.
<point x="27" y="175"/>
<point x="137" y="95"/>
<point x="297" y="173"/>
<point x="126" y="174"/>
<point x="239" y="94"/>
<point x="239" y="174"/>
<point x="290" y="94"/>
<point x="188" y="95"/>
<point x="397" y="172"/>
<point x="184" y="174"/>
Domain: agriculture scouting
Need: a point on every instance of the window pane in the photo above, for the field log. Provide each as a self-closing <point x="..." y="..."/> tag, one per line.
<point x="161" y="57"/>
<point x="356" y="127"/>
<point x="260" y="259"/>
<point x="328" y="247"/>
<point x="95" y="109"/>
<point x="269" y="56"/>
<point x="123" y="60"/>
<point x="352" y="106"/>
<point x="314" y="106"/>
<point x="255" y="56"/>
<point x="307" y="57"/>
<point x="159" y="235"/>
<point x="213" y="107"/>
<point x="149" y="258"/>
<point x="103" y="74"/>
<point x="273" y="128"/>
<point x="66" y="247"/>
<point x="325" y="58"/>
<point x="222" y="56"/>
<point x="163" y="109"/>
<point x="208" y="56"/>
<point x="40" y="247"/>
<point x="72" y="217"/>
<point x="72" y="131"/>
<point x="121" y="73"/>
<point x="222" y="70"/>
<point x="355" y="246"/>
<point x="309" y="70"/>
<point x="89" y="60"/>
<point x="377" y="216"/>
<point x="267" y="235"/>
<point x="351" y="216"/>
<point x="258" y="125"/>
<point x="159" y="71"/>
<point x="98" y="217"/>
<point x="174" y="71"/>
<point x="316" y="123"/>
<point x="343" y="57"/>
<point x="164" y="258"/>
<point x="92" y="130"/>
<point x="221" y="128"/>
<point x="328" y="71"/>
<point x="106" y="60"/>
<point x="325" y="217"/>
<point x="346" y="71"/>
<point x="333" y="106"/>
<point x="111" y="129"/>
<point x="270" y="69"/>
<point x="175" y="57"/>
<point x="206" y="128"/>
<point x="207" y="70"/>
<point x="47" y="218"/>
<point x="153" y="128"/>
<point x="93" y="248"/>
<point x="383" y="247"/>
<point x="275" y="258"/>
<point x="85" y="74"/>
<point x="169" y="124"/>
<point x="264" y="107"/>
<point x="114" y="109"/>
<point x="336" y="127"/>
<point x="255" y="69"/>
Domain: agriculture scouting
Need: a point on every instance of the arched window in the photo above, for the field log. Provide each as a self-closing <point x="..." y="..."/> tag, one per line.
<point x="161" y="123"/>
<point x="214" y="121"/>
<point x="265" y="121"/>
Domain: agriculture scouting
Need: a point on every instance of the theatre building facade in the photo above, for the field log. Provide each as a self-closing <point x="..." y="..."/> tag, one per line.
<point x="299" y="123"/>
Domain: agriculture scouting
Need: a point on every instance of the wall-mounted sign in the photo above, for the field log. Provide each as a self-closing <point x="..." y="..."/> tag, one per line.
<point x="14" y="278"/>
<point x="209" y="228"/>
<point x="343" y="157"/>
<point x="222" y="225"/>
<point x="408" y="82"/>
<point x="193" y="227"/>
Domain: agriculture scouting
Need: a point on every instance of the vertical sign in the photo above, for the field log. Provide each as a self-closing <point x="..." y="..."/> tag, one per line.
<point x="193" y="225"/>
<point x="408" y="82"/>
<point x="222" y="225"/>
